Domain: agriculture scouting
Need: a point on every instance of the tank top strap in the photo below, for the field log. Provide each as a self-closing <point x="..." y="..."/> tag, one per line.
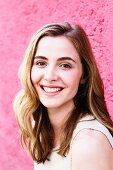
<point x="89" y="122"/>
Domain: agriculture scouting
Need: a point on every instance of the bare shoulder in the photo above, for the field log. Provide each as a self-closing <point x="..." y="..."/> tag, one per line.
<point x="91" y="150"/>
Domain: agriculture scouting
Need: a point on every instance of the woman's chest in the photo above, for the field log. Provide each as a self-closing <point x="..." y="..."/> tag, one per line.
<point x="56" y="162"/>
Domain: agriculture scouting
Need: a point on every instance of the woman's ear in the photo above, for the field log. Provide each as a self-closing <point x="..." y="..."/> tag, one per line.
<point x="82" y="81"/>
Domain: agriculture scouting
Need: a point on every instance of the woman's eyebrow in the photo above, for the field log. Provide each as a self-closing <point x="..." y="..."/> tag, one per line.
<point x="66" y="58"/>
<point x="40" y="57"/>
<point x="59" y="59"/>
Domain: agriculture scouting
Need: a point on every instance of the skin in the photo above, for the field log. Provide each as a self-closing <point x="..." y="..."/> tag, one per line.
<point x="56" y="66"/>
<point x="92" y="149"/>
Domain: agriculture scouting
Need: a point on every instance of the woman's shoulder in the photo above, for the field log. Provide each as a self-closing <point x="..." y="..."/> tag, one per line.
<point x="88" y="123"/>
<point x="91" y="135"/>
<point x="90" y="149"/>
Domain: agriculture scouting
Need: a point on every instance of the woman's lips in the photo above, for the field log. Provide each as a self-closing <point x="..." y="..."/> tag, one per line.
<point x="52" y="89"/>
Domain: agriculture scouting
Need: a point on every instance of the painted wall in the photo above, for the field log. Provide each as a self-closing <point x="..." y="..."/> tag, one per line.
<point x="19" y="19"/>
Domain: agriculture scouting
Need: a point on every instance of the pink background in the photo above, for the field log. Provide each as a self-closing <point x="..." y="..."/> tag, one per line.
<point x="19" y="19"/>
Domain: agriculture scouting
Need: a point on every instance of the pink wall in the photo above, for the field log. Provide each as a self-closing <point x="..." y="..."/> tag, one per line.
<point x="19" y="19"/>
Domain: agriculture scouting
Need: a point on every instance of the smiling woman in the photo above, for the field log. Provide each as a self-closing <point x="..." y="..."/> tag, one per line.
<point x="61" y="108"/>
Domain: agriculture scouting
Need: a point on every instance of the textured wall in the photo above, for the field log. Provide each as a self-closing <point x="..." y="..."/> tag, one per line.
<point x="18" y="21"/>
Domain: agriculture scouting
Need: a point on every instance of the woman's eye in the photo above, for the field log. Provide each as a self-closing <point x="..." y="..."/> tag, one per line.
<point x="40" y="63"/>
<point x="65" y="66"/>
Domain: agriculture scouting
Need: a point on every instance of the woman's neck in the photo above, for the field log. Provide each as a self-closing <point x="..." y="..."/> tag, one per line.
<point x="58" y="117"/>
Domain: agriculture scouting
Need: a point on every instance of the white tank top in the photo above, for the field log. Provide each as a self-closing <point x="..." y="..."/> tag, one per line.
<point x="64" y="163"/>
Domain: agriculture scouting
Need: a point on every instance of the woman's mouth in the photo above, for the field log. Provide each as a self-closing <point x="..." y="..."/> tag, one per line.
<point x="51" y="89"/>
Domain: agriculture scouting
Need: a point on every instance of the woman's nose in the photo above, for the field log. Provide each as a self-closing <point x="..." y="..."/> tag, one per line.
<point x="50" y="74"/>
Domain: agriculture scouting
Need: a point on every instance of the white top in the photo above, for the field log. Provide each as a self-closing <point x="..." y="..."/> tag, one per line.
<point x="64" y="163"/>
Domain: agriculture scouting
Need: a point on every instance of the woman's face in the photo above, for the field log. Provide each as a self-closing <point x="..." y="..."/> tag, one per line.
<point x="56" y="72"/>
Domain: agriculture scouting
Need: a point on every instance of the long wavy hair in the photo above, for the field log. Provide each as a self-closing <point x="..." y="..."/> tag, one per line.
<point x="37" y="133"/>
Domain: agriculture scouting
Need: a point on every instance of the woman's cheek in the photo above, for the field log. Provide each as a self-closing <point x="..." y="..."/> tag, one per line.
<point x="33" y="75"/>
<point x="36" y="75"/>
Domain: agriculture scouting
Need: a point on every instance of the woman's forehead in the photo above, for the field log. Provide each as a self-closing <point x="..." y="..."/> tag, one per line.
<point x="60" y="46"/>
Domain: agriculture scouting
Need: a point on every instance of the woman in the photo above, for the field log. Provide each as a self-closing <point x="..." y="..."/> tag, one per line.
<point x="61" y="109"/>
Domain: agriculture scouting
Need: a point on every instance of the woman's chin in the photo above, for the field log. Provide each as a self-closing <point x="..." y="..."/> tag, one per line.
<point x="51" y="105"/>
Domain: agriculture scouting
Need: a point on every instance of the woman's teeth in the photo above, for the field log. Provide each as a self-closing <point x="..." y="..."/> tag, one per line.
<point x="50" y="90"/>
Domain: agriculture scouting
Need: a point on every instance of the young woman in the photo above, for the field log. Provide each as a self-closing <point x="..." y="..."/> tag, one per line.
<point x="61" y="109"/>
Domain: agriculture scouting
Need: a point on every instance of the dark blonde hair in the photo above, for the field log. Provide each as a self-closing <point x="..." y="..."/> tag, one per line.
<point x="39" y="138"/>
